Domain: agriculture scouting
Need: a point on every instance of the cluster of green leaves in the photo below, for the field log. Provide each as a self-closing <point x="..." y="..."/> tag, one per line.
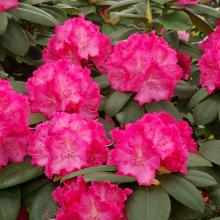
<point x="23" y="32"/>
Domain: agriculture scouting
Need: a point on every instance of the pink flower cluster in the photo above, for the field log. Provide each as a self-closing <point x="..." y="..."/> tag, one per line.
<point x="187" y="2"/>
<point x="63" y="87"/>
<point x="81" y="41"/>
<point x="146" y="65"/>
<point x="14" y="130"/>
<point x="184" y="61"/>
<point x="68" y="143"/>
<point x="7" y="4"/>
<point x="152" y="142"/>
<point x="209" y="62"/>
<point x="99" y="201"/>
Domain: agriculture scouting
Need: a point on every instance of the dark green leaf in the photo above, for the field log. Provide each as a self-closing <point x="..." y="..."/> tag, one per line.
<point x="172" y="38"/>
<point x="3" y="22"/>
<point x="189" y="49"/>
<point x="195" y="160"/>
<point x="200" y="179"/>
<point x="102" y="81"/>
<point x="116" y="102"/>
<point x="105" y="168"/>
<point x="148" y="203"/>
<point x="184" y="90"/>
<point x="15" y="39"/>
<point x="183" y="191"/>
<point x="211" y="151"/>
<point x="205" y="10"/>
<point x="200" y="95"/>
<point x="18" y="173"/>
<point x="177" y="21"/>
<point x="36" y="118"/>
<point x="43" y="206"/>
<point x="130" y="113"/>
<point x="166" y="106"/>
<point x="19" y="86"/>
<point x="9" y="203"/>
<point x="107" y="176"/>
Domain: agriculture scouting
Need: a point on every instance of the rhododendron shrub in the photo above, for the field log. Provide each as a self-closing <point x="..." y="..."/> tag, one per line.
<point x="146" y="65"/>
<point x="67" y="143"/>
<point x="63" y="87"/>
<point x="7" y="4"/>
<point x="154" y="141"/>
<point x="14" y="130"/>
<point x="80" y="41"/>
<point x="100" y="200"/>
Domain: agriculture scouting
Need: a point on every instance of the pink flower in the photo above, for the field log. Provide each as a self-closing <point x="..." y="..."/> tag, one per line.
<point x="100" y="201"/>
<point x="154" y="141"/>
<point x="146" y="65"/>
<point x="63" y="87"/>
<point x="187" y="2"/>
<point x="68" y="143"/>
<point x="184" y="61"/>
<point x="14" y="129"/>
<point x="183" y="35"/>
<point x="7" y="4"/>
<point x="79" y="40"/>
<point x="210" y="69"/>
<point x="211" y="41"/>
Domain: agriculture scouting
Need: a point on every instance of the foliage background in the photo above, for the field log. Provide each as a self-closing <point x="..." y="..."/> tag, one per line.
<point x="25" y="31"/>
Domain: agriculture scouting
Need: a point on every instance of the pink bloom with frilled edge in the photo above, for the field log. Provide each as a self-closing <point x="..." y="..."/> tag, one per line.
<point x="146" y="65"/>
<point x="81" y="41"/>
<point x="210" y="69"/>
<point x="184" y="61"/>
<point x="211" y="41"/>
<point x="63" y="87"/>
<point x="187" y="2"/>
<point x="68" y="143"/>
<point x="101" y="201"/>
<point x="154" y="141"/>
<point x="7" y="4"/>
<point x="14" y="129"/>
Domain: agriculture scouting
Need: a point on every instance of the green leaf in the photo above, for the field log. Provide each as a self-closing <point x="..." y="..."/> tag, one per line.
<point x="217" y="218"/>
<point x="105" y="168"/>
<point x="107" y="176"/>
<point x="189" y="49"/>
<point x="211" y="151"/>
<point x="2" y="54"/>
<point x="36" y="118"/>
<point x="122" y="4"/>
<point x="184" y="90"/>
<point x="205" y="10"/>
<point x="177" y="21"/>
<point x="166" y="106"/>
<point x="33" y="14"/>
<point x="200" y="23"/>
<point x="206" y="111"/>
<point x="3" y="22"/>
<point x="172" y="38"/>
<point x="195" y="160"/>
<point x="9" y="203"/>
<point x="43" y="206"/>
<point x="130" y="113"/>
<point x="200" y="95"/>
<point x="200" y="179"/>
<point x="148" y="203"/>
<point x="18" y="173"/>
<point x="116" y="102"/>
<point x="3" y="75"/>
<point x="15" y="39"/>
<point x="19" y="86"/>
<point x="102" y="81"/>
<point x="183" y="191"/>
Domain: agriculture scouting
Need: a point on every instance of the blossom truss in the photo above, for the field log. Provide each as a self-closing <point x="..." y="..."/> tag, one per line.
<point x="68" y="143"/>
<point x="153" y="142"/>
<point x="146" y="65"/>
<point x="14" y="130"/>
<point x="99" y="201"/>
<point x="81" y="41"/>
<point x="8" y="4"/>
<point x="209" y="62"/>
<point x="63" y="87"/>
